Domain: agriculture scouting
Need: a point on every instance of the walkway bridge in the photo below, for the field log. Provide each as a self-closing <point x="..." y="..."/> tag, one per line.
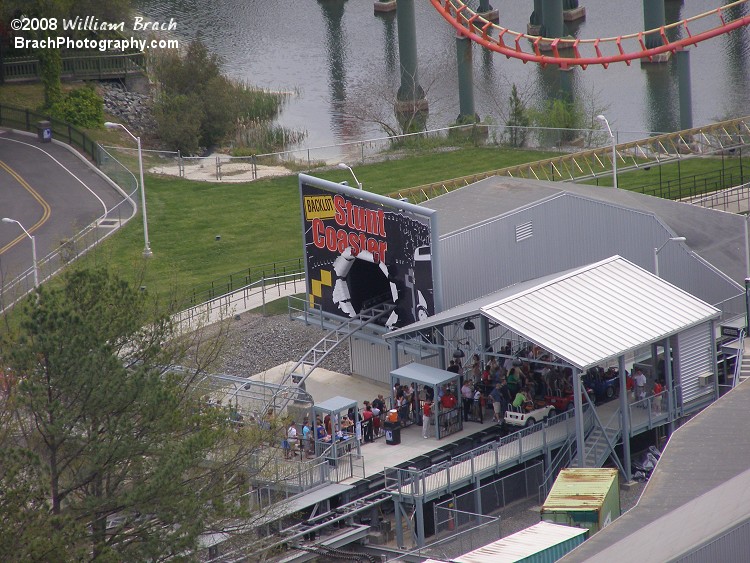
<point x="597" y="163"/>
<point x="78" y="66"/>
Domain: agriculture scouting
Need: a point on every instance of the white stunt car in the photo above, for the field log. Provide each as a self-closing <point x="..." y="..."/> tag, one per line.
<point x="529" y="418"/>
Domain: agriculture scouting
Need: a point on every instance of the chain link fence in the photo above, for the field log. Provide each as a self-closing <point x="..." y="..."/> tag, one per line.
<point x="226" y="168"/>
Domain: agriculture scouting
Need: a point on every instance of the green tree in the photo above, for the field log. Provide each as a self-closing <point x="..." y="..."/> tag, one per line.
<point x="193" y="84"/>
<point x="561" y="119"/>
<point x="132" y="464"/>
<point x="518" y="119"/>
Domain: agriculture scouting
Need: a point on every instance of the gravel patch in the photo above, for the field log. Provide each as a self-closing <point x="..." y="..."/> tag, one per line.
<point x="256" y="343"/>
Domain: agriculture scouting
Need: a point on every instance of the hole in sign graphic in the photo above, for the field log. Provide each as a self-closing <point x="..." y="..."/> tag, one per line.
<point x="361" y="283"/>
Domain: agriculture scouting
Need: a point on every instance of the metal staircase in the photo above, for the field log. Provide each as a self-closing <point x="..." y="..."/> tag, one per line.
<point x="315" y="355"/>
<point x="600" y="443"/>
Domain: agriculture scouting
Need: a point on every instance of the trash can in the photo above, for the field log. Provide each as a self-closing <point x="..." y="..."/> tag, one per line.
<point x="392" y="433"/>
<point x="44" y="131"/>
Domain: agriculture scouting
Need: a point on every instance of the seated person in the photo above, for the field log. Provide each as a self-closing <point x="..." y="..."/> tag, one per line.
<point x="347" y="424"/>
<point x="519" y="400"/>
<point x="320" y="432"/>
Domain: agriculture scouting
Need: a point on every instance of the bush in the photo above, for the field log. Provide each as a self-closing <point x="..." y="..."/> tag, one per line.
<point x="194" y="89"/>
<point x="82" y="107"/>
<point x="178" y="121"/>
<point x="562" y="118"/>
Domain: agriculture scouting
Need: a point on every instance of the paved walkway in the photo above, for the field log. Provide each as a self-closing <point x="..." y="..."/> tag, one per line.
<point x="254" y="296"/>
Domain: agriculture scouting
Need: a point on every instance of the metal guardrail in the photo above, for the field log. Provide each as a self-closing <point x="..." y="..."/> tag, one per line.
<point x="591" y="164"/>
<point x="77" y="65"/>
<point x="284" y="270"/>
<point x="73" y="248"/>
<point x="493" y="457"/>
<point x="223" y="306"/>
<point x="26" y="120"/>
<point x="738" y="360"/>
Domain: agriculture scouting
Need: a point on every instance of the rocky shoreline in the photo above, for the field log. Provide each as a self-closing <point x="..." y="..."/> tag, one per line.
<point x="131" y="108"/>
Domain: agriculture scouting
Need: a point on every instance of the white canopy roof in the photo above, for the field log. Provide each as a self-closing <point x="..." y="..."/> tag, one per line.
<point x="585" y="315"/>
<point x="600" y="311"/>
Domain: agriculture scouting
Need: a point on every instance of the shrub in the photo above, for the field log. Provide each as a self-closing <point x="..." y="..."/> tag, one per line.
<point x="82" y="107"/>
<point x="178" y="121"/>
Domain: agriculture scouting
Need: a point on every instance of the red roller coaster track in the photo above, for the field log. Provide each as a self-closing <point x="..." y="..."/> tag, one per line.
<point x="583" y="52"/>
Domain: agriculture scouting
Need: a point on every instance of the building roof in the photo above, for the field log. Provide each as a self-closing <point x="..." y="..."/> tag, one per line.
<point x="522" y="545"/>
<point x="588" y="315"/>
<point x="716" y="236"/>
<point x="426" y="375"/>
<point x="600" y="311"/>
<point x="698" y="492"/>
<point x="336" y="404"/>
<point x="580" y="488"/>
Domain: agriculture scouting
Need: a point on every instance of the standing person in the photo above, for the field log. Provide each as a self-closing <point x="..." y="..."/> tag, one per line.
<point x="367" y="427"/>
<point x="426" y="418"/>
<point x="639" y="379"/>
<point x="307" y="441"/>
<point x="478" y="403"/>
<point x="467" y="394"/>
<point x="658" y="397"/>
<point x="497" y="403"/>
<point x="288" y="444"/>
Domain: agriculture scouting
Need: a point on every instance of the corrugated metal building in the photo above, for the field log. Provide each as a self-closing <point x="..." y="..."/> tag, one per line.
<point x="503" y="231"/>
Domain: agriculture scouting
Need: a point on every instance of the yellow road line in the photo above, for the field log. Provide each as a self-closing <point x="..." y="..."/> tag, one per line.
<point x="36" y="196"/>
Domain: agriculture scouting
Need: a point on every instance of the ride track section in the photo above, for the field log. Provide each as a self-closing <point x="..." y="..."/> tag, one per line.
<point x="567" y="53"/>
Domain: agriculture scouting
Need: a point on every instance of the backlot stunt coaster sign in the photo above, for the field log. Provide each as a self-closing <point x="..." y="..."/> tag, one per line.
<point x="360" y="253"/>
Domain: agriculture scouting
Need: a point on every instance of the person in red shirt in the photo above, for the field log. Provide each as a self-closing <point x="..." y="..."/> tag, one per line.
<point x="448" y="400"/>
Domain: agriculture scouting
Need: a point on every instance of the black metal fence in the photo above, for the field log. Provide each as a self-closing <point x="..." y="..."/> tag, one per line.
<point x="238" y="280"/>
<point x="28" y="120"/>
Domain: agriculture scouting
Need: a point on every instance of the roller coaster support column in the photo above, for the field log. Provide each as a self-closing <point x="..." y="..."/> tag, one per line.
<point x="410" y="99"/>
<point x="653" y="17"/>
<point x="686" y="99"/>
<point x="572" y="11"/>
<point x="552" y="18"/>
<point x="534" y="27"/>
<point x="487" y="11"/>
<point x="465" y="80"/>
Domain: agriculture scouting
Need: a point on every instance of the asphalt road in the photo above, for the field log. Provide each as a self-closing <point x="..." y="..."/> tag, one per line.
<point x="54" y="194"/>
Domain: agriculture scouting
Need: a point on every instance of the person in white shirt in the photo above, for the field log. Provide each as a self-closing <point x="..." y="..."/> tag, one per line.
<point x="291" y="441"/>
<point x="639" y="379"/>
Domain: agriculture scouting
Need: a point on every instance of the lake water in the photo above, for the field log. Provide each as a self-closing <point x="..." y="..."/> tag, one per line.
<point x="342" y="61"/>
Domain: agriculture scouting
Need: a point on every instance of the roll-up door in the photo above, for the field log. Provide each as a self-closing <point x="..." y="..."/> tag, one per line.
<point x="695" y="362"/>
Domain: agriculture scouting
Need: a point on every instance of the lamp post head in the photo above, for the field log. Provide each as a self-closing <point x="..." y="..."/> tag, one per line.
<point x="678" y="239"/>
<point x="8" y="220"/>
<point x="111" y="125"/>
<point x="342" y="166"/>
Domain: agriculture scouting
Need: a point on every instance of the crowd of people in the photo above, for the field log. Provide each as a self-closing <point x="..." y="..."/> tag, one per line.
<point x="517" y="380"/>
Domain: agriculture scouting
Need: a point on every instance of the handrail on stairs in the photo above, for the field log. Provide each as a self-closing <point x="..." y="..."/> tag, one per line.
<point x="738" y="360"/>
<point x="604" y="429"/>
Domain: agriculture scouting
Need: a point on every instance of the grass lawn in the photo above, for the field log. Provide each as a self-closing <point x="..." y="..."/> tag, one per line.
<point x="258" y="222"/>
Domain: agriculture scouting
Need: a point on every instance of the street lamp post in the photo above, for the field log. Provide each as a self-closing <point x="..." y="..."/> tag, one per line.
<point x="147" y="246"/>
<point x="658" y="250"/>
<point x="614" y="149"/>
<point x="346" y="167"/>
<point x="33" y="247"/>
